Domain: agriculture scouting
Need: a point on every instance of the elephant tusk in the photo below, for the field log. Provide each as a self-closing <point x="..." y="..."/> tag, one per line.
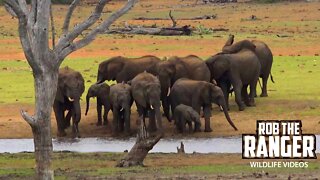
<point x="168" y="91"/>
<point x="151" y="106"/>
<point x="70" y="99"/>
<point x="121" y="109"/>
<point x="221" y="108"/>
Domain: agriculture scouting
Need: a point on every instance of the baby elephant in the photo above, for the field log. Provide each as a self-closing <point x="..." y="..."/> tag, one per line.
<point x="101" y="91"/>
<point x="186" y="115"/>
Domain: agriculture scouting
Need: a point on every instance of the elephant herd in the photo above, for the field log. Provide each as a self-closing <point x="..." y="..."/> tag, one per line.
<point x="183" y="86"/>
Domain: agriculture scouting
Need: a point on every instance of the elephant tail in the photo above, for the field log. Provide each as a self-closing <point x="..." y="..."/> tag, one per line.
<point x="271" y="77"/>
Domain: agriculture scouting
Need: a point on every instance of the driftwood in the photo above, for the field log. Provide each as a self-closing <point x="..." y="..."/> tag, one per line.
<point x="181" y="149"/>
<point x="171" y="31"/>
<point x="141" y="148"/>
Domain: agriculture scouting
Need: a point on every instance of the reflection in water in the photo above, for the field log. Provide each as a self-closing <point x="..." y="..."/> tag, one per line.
<point x="200" y="145"/>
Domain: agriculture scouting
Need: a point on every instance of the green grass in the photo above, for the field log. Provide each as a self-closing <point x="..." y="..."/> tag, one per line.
<point x="295" y="78"/>
<point x="68" y="165"/>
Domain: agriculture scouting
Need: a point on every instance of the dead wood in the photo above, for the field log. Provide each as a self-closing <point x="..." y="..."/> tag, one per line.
<point x="141" y="148"/>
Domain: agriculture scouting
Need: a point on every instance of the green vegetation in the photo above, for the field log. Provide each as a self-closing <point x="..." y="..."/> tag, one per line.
<point x="294" y="78"/>
<point x="67" y="165"/>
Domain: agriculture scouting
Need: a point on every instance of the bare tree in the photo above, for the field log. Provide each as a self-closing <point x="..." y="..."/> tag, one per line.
<point x="45" y="62"/>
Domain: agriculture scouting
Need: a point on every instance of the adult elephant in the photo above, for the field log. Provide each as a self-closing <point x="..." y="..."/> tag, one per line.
<point x="240" y="70"/>
<point x="263" y="53"/>
<point x="199" y="94"/>
<point x="146" y="92"/>
<point x="124" y="69"/>
<point x="101" y="91"/>
<point x="121" y="100"/>
<point x="69" y="90"/>
<point x="191" y="67"/>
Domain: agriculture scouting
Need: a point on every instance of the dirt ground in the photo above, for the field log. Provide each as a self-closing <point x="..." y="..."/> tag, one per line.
<point x="13" y="126"/>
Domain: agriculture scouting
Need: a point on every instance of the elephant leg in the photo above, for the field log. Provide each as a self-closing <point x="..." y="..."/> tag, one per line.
<point x="127" y="120"/>
<point x="166" y="108"/>
<point x="105" y="115"/>
<point x="121" y="121"/>
<point x="190" y="126"/>
<point x="152" y="121"/>
<point x="66" y="123"/>
<point x="75" y="128"/>
<point x="99" y="109"/>
<point x="253" y="86"/>
<point x="264" y="92"/>
<point x="237" y="86"/>
<point x="140" y="113"/>
<point x="115" y="122"/>
<point x="59" y="113"/>
<point x="244" y="95"/>
<point x="183" y="125"/>
<point x="207" y="115"/>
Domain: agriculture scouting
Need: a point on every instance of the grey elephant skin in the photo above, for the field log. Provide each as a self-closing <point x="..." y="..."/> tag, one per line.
<point x="263" y="53"/>
<point x="69" y="90"/>
<point x="169" y="71"/>
<point x="124" y="69"/>
<point x="121" y="100"/>
<point x="199" y="94"/>
<point x="146" y="92"/>
<point x="184" y="115"/>
<point x="240" y="70"/>
<point x="101" y="92"/>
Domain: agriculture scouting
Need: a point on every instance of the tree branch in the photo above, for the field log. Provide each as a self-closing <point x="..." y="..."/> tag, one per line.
<point x="93" y="18"/>
<point x="23" y="31"/>
<point x="12" y="5"/>
<point x="174" y="23"/>
<point x="66" y="23"/>
<point x="98" y="30"/>
<point x="28" y="118"/>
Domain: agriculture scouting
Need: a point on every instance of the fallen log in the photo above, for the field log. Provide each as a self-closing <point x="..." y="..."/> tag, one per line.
<point x="141" y="148"/>
<point x="171" y="31"/>
<point x="192" y="18"/>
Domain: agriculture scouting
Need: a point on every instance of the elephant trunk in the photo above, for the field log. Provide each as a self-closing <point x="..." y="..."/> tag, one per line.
<point x="77" y="110"/>
<point x="225" y="110"/>
<point x="88" y="103"/>
<point x="77" y="117"/>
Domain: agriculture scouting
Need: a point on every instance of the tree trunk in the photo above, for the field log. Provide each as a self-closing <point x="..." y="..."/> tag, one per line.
<point x="45" y="87"/>
<point x="140" y="149"/>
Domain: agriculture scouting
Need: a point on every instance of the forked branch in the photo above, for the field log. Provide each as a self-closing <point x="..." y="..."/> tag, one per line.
<point x="71" y="9"/>
<point x="71" y="46"/>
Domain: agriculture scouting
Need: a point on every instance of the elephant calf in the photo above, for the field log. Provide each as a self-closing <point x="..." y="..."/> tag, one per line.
<point x="121" y="100"/>
<point x="186" y="115"/>
<point x="69" y="90"/>
<point x="101" y="91"/>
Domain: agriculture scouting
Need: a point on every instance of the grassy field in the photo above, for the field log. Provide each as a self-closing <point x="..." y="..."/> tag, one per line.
<point x="102" y="165"/>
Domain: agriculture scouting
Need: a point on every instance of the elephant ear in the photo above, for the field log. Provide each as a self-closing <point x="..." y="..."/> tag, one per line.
<point x="113" y="69"/>
<point x="206" y="93"/>
<point x="139" y="96"/>
<point x="220" y="66"/>
<point x="59" y="94"/>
